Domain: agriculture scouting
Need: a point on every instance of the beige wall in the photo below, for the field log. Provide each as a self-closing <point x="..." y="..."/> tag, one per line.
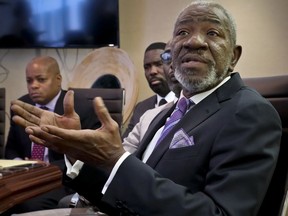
<point x="262" y="31"/>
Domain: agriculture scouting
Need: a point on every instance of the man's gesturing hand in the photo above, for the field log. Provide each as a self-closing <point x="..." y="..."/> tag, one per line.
<point x="101" y="147"/>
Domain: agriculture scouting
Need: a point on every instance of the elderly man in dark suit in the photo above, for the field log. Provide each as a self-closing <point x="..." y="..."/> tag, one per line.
<point x="213" y="153"/>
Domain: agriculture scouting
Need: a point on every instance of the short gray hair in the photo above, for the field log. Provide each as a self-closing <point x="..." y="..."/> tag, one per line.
<point x="231" y="21"/>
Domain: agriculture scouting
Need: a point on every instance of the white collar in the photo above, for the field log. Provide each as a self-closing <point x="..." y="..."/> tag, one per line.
<point x="51" y="105"/>
<point x="199" y="97"/>
<point x="169" y="97"/>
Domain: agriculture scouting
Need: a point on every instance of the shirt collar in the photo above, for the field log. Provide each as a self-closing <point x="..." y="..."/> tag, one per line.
<point x="199" y="97"/>
<point x="169" y="97"/>
<point x="51" y="105"/>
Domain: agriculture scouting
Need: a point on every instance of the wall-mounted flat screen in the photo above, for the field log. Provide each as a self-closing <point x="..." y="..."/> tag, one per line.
<point x="59" y="23"/>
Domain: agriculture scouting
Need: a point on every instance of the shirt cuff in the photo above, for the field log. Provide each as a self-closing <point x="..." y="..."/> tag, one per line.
<point x="114" y="170"/>
<point x="73" y="170"/>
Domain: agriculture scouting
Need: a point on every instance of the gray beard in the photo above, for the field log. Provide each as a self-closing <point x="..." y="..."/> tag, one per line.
<point x="193" y="86"/>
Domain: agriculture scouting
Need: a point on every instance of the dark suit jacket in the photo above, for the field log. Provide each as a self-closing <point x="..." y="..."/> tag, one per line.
<point x="236" y="135"/>
<point x="18" y="143"/>
<point x="140" y="108"/>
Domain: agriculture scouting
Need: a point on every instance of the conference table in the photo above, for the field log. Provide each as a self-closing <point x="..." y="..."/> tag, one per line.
<point x="22" y="180"/>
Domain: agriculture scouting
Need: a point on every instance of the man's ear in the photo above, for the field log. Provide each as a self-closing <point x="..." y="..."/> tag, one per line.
<point x="59" y="78"/>
<point x="236" y="56"/>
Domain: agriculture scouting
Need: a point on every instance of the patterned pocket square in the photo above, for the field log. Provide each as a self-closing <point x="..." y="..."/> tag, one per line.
<point x="181" y="139"/>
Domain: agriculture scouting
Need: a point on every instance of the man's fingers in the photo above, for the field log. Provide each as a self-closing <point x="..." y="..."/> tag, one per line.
<point x="21" y="108"/>
<point x="22" y="122"/>
<point x="37" y="135"/>
<point x="53" y="134"/>
<point x="37" y="140"/>
<point x="33" y="115"/>
<point x="31" y="131"/>
<point x="68" y="104"/>
<point x="17" y="102"/>
<point x="50" y="141"/>
<point x="102" y="112"/>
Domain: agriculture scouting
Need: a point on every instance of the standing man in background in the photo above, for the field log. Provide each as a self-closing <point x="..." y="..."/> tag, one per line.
<point x="154" y="73"/>
<point x="43" y="80"/>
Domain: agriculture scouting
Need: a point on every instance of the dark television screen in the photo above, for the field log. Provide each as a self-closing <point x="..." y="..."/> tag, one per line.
<point x="59" y="23"/>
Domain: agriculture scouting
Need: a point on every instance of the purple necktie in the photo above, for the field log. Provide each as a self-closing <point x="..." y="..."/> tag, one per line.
<point x="180" y="110"/>
<point x="38" y="150"/>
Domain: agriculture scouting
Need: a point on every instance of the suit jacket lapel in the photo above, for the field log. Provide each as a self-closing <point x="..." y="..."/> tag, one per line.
<point x="59" y="104"/>
<point x="156" y="123"/>
<point x="195" y="116"/>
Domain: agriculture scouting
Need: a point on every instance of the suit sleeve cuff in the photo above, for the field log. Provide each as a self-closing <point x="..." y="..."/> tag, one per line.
<point x="114" y="170"/>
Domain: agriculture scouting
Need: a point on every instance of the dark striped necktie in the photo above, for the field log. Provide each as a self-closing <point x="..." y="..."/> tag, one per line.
<point x="162" y="102"/>
<point x="38" y="150"/>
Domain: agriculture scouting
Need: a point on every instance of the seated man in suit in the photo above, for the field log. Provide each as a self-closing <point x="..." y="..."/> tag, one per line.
<point x="219" y="138"/>
<point x="44" y="80"/>
<point x="154" y="73"/>
<point x="132" y="141"/>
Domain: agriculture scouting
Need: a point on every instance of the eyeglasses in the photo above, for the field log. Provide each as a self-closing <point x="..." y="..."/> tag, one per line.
<point x="166" y="57"/>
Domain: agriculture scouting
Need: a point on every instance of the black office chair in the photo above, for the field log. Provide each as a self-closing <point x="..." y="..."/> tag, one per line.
<point x="275" y="89"/>
<point x="2" y="121"/>
<point x="113" y="100"/>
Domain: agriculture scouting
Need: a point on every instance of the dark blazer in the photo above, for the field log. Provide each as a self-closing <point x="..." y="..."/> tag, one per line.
<point x="139" y="109"/>
<point x="236" y="135"/>
<point x="18" y="143"/>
